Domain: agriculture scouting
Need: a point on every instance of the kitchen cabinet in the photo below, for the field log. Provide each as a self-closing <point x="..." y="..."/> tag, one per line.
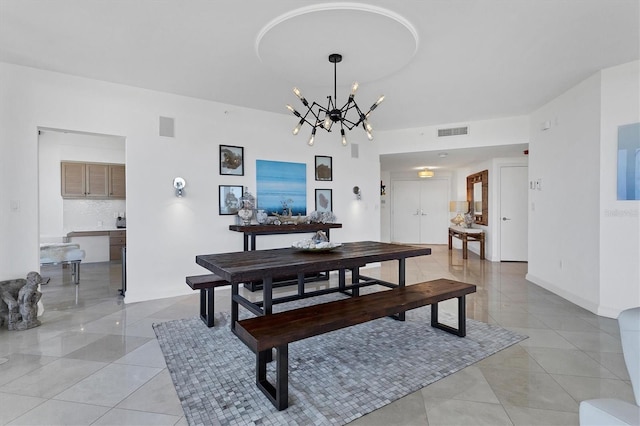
<point x="117" y="240"/>
<point x="117" y="181"/>
<point x="93" y="180"/>
<point x="97" y="176"/>
<point x="73" y="180"/>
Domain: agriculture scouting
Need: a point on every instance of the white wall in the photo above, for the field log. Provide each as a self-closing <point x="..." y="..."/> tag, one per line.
<point x="58" y="216"/>
<point x="619" y="220"/>
<point x="577" y="249"/>
<point x="496" y="132"/>
<point x="564" y="221"/>
<point x="164" y="233"/>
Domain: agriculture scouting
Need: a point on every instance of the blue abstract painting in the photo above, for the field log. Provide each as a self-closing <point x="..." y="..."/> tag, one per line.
<point x="280" y="186"/>
<point x="629" y="162"/>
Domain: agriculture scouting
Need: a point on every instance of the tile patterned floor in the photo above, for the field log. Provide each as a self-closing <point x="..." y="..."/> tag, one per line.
<point x="96" y="361"/>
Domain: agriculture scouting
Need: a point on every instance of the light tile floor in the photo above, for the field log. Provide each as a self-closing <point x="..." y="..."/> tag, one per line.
<point x="95" y="360"/>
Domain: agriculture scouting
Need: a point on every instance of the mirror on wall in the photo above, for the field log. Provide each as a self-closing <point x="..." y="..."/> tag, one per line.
<point x="478" y="196"/>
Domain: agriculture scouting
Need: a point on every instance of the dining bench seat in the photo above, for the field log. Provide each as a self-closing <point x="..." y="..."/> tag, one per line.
<point x="263" y="333"/>
<point x="206" y="284"/>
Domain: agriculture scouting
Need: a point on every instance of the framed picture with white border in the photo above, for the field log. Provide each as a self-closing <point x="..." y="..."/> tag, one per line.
<point x="231" y="160"/>
<point x="229" y="201"/>
<point x="324" y="200"/>
<point x="323" y="167"/>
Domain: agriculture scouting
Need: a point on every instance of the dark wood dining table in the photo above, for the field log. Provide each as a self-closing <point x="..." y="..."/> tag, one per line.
<point x="267" y="265"/>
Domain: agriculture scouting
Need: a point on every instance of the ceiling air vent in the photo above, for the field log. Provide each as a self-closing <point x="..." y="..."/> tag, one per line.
<point x="453" y="131"/>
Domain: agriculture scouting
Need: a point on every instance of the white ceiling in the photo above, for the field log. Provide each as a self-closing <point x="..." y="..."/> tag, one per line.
<point x="437" y="61"/>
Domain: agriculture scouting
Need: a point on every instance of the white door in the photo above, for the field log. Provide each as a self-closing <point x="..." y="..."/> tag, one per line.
<point x="513" y="213"/>
<point x="420" y="211"/>
<point x="406" y="211"/>
<point x="434" y="200"/>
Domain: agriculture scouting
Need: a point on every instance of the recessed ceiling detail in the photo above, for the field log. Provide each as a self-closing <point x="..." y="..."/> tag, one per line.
<point x="374" y="42"/>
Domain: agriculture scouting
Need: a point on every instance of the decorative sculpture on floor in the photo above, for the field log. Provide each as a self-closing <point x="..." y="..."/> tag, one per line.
<point x="19" y="302"/>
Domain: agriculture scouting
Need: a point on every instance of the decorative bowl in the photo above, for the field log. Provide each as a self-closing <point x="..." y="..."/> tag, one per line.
<point x="312" y="246"/>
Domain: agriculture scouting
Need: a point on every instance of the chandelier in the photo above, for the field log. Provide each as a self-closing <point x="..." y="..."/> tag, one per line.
<point x="319" y="116"/>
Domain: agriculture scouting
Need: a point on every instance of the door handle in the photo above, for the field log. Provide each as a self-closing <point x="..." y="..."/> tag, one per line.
<point x="506" y="218"/>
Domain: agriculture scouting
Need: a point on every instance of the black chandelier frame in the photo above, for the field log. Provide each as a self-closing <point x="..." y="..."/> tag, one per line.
<point x="319" y="116"/>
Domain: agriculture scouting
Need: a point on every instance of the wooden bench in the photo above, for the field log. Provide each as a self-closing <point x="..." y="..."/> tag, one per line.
<point x="263" y="333"/>
<point x="206" y="284"/>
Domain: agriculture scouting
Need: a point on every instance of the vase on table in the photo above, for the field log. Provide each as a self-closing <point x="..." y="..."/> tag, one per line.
<point x="468" y="220"/>
<point x="245" y="214"/>
<point x="261" y="216"/>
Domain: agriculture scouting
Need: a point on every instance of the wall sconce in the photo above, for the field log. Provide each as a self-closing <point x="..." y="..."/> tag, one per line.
<point x="356" y="190"/>
<point x="179" y="184"/>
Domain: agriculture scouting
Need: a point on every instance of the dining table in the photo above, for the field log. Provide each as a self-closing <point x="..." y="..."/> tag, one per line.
<point x="269" y="265"/>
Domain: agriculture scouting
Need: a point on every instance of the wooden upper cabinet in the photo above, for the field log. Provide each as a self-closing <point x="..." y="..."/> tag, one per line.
<point x="73" y="180"/>
<point x="97" y="180"/>
<point x="92" y="180"/>
<point x="117" y="181"/>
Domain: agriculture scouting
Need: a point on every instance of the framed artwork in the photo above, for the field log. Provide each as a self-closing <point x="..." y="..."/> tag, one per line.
<point x="324" y="168"/>
<point x="324" y="200"/>
<point x="281" y="187"/>
<point x="230" y="196"/>
<point x="629" y="162"/>
<point x="231" y="160"/>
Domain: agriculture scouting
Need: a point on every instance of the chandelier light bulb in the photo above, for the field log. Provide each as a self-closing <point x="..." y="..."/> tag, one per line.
<point x="292" y="109"/>
<point x="369" y="135"/>
<point x="367" y="126"/>
<point x="327" y="122"/>
<point x="354" y="88"/>
<point x="297" y="92"/>
<point x="380" y="99"/>
<point x="296" y="129"/>
<point x="344" y="138"/>
<point x="312" y="138"/>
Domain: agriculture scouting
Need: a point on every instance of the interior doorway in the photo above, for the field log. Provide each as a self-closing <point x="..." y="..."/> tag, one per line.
<point x="420" y="211"/>
<point x="58" y="215"/>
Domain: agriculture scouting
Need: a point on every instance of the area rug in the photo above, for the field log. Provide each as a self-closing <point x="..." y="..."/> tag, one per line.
<point x="333" y="378"/>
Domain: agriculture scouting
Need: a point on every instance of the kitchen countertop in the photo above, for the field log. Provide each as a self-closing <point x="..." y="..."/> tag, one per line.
<point x="94" y="232"/>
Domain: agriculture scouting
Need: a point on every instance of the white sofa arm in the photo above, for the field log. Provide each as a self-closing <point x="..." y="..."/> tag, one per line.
<point x="608" y="412"/>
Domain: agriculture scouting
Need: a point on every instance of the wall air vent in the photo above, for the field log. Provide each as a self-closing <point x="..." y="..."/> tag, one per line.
<point x="453" y="131"/>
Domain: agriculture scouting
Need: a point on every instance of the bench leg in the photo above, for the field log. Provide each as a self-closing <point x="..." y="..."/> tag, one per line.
<point x="206" y="306"/>
<point x="462" y="319"/>
<point x="278" y="394"/>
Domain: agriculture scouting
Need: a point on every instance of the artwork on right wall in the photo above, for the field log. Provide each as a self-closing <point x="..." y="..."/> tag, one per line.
<point x="629" y="162"/>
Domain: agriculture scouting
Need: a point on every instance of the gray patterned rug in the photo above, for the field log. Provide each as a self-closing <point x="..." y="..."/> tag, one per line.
<point x="333" y="378"/>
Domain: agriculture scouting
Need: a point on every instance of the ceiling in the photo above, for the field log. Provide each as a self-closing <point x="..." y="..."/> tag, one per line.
<point x="437" y="61"/>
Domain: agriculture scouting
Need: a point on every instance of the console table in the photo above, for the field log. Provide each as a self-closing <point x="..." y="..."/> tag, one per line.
<point x="250" y="232"/>
<point x="466" y="235"/>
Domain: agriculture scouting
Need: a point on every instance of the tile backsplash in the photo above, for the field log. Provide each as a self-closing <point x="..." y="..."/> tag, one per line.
<point x="89" y="215"/>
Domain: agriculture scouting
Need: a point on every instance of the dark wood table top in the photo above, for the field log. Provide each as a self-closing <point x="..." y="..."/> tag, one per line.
<point x="245" y="266"/>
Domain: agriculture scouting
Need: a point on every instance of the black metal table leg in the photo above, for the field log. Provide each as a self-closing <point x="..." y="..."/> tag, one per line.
<point x="401" y="282"/>
<point x="234" y="306"/>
